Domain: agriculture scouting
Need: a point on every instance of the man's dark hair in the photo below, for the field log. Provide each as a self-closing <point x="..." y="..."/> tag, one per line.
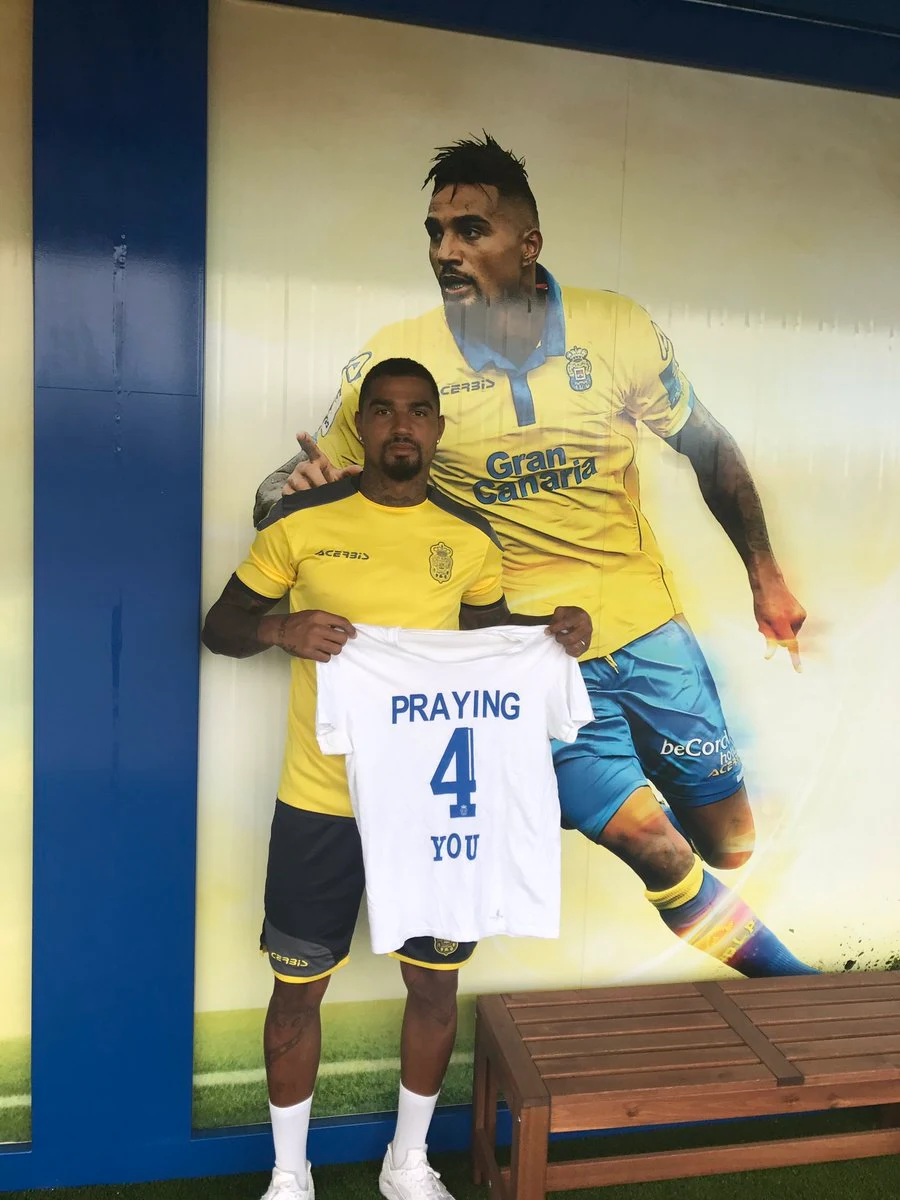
<point x="397" y="368"/>
<point x="485" y="164"/>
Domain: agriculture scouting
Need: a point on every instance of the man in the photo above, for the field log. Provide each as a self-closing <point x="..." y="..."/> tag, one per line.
<point x="358" y="550"/>
<point x="543" y="389"/>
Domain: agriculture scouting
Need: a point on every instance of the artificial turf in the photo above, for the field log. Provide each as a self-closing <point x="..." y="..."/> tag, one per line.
<point x="867" y="1179"/>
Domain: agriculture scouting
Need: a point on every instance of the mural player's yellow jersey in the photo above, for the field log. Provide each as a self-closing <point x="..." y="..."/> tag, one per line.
<point x="335" y="550"/>
<point x="547" y="451"/>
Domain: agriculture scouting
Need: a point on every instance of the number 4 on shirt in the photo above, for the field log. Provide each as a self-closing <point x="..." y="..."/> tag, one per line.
<point x="460" y="752"/>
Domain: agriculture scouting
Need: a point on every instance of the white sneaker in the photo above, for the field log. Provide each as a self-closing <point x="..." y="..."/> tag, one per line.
<point x="284" y="1186"/>
<point x="416" y="1179"/>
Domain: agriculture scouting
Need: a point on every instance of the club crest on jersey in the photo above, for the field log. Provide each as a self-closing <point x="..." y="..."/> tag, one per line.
<point x="578" y="368"/>
<point x="440" y="562"/>
<point x="444" y="947"/>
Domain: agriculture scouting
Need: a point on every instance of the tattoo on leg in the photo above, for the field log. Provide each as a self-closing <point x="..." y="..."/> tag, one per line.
<point x="274" y="1053"/>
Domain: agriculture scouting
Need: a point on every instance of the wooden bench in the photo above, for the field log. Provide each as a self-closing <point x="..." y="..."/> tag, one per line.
<point x="627" y="1057"/>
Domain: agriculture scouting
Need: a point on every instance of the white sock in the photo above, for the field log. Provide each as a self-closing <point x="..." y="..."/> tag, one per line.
<point x="290" y="1128"/>
<point x="414" y="1113"/>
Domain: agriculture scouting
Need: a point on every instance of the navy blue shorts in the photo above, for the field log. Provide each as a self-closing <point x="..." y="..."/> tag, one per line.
<point x="657" y="718"/>
<point x="314" y="885"/>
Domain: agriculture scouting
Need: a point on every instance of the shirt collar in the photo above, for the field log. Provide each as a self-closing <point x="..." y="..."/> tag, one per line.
<point x="552" y="343"/>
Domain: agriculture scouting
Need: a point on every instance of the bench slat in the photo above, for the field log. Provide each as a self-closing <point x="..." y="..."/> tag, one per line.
<point x="805" y="983"/>
<point x="824" y="1030"/>
<point x="668" y="1164"/>
<point x="602" y="1010"/>
<point x="630" y="992"/>
<point x="841" y="1047"/>
<point x="851" y="1069"/>
<point x="685" y="1079"/>
<point x="849" y="996"/>
<point x="821" y="1012"/>
<point x="700" y="1039"/>
<point x="660" y="1023"/>
<point x="659" y="1062"/>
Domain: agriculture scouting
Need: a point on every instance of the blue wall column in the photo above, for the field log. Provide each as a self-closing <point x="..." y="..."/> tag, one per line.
<point x="119" y="244"/>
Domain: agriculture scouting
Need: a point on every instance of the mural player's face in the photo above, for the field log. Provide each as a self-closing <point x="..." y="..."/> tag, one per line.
<point x="477" y="245"/>
<point x="399" y="427"/>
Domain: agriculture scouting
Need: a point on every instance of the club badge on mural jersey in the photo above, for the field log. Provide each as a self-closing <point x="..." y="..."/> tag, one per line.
<point x="440" y="562"/>
<point x="578" y="368"/>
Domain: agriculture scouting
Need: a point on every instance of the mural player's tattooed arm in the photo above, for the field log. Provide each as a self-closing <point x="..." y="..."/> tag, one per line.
<point x="308" y="469"/>
<point x="572" y="627"/>
<point x="731" y="496"/>
<point x="270" y="490"/>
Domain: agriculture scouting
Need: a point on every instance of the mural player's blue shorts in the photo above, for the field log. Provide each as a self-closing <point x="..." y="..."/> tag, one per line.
<point x="657" y="717"/>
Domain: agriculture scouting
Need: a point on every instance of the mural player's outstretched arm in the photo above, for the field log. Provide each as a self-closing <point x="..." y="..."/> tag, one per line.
<point x="333" y="453"/>
<point x="272" y="487"/>
<point x="731" y="496"/>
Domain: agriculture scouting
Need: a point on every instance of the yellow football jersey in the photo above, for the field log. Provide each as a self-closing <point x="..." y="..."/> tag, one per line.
<point x="547" y="451"/>
<point x="335" y="550"/>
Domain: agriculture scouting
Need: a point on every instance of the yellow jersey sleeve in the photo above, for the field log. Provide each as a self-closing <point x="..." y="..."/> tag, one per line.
<point x="270" y="569"/>
<point x="337" y="436"/>
<point x="656" y="390"/>
<point x="488" y="587"/>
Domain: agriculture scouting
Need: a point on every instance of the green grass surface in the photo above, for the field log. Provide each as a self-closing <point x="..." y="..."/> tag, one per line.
<point x="359" y="1032"/>
<point x="225" y="1041"/>
<point x="15" y="1080"/>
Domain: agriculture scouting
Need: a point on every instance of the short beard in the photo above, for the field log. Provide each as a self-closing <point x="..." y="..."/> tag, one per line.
<point x="402" y="470"/>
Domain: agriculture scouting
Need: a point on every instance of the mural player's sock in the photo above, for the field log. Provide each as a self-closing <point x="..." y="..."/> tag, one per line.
<point x="290" y="1130"/>
<point x="414" y="1113"/>
<point x="714" y="919"/>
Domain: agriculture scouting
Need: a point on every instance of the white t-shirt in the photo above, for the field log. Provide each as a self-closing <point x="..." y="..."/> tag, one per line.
<point x="447" y="738"/>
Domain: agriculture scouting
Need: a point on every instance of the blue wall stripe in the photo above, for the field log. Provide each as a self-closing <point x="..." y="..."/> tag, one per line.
<point x="671" y="31"/>
<point x="119" y="227"/>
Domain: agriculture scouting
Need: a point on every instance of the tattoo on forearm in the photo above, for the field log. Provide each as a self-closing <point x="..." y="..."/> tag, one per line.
<point x="725" y="483"/>
<point x="282" y="634"/>
<point x="232" y="624"/>
<point x="269" y="491"/>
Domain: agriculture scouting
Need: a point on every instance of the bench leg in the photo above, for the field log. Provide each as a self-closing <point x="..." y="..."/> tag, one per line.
<point x="484" y="1109"/>
<point x="528" y="1165"/>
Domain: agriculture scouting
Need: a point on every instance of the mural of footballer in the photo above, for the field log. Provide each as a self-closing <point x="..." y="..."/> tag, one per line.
<point x="542" y="388"/>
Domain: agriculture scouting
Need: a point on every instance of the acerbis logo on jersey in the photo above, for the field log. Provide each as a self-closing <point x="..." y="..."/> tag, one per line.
<point x="473" y="385"/>
<point x="440" y="562"/>
<point x="518" y="476"/>
<point x="358" y="554"/>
